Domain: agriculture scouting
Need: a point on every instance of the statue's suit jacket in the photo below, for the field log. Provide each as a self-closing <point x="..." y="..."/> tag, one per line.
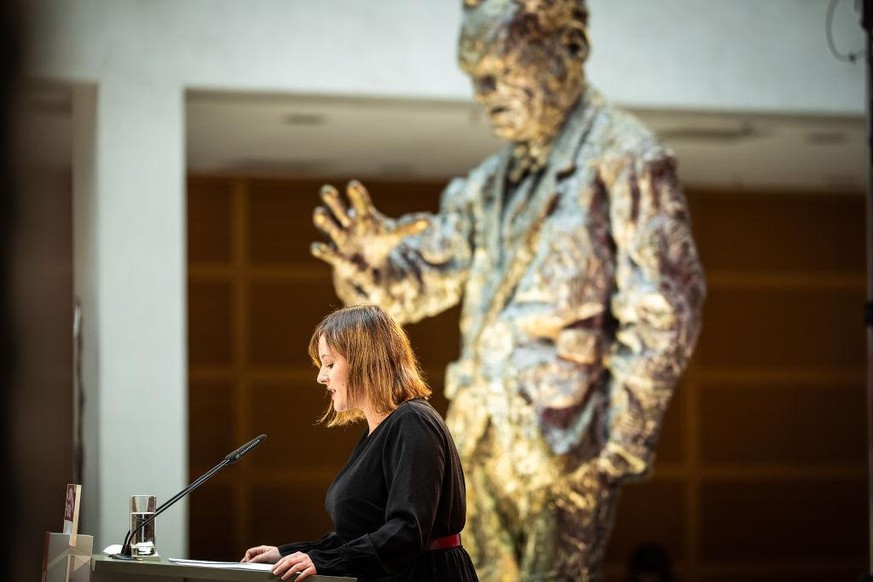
<point x="581" y="292"/>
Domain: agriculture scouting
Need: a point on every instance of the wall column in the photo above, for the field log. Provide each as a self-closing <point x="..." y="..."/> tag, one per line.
<point x="130" y="275"/>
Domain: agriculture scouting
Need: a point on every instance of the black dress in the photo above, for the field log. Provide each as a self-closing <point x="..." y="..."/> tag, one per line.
<point x="401" y="488"/>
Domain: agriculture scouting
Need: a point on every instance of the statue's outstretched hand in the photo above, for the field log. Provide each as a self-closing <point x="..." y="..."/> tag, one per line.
<point x="360" y="237"/>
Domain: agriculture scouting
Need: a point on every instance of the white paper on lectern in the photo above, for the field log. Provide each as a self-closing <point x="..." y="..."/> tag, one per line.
<point x="224" y="565"/>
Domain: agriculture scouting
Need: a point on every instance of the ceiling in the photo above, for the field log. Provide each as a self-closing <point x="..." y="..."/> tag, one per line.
<point x="319" y="136"/>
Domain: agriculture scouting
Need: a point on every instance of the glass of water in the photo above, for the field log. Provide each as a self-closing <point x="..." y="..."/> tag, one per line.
<point x="142" y="542"/>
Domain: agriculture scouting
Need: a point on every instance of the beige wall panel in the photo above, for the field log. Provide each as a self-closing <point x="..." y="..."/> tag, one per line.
<point x="288" y="412"/>
<point x="210" y="323"/>
<point x="280" y="229"/>
<point x="783" y="328"/>
<point x="784" y="520"/>
<point x="650" y="511"/>
<point x="282" y="514"/>
<point x="210" y="422"/>
<point x="214" y="522"/>
<point x="792" y="573"/>
<point x="282" y="315"/>
<point x="779" y="233"/>
<point x="209" y="220"/>
<point x="783" y="425"/>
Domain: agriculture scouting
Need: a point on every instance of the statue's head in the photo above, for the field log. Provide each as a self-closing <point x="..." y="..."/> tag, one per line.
<point x="526" y="59"/>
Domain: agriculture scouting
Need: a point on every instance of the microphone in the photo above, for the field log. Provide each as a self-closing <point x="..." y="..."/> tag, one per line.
<point x="244" y="450"/>
<point x="231" y="458"/>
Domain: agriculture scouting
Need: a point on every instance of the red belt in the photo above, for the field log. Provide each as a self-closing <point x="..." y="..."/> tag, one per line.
<point x="445" y="542"/>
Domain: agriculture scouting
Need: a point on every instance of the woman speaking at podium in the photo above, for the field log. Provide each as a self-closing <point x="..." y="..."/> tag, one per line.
<point x="398" y="505"/>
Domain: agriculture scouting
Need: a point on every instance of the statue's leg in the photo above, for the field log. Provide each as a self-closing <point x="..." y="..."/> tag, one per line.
<point x="487" y="536"/>
<point x="568" y="543"/>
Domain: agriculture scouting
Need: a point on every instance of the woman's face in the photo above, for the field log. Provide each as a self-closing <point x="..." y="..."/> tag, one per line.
<point x="334" y="375"/>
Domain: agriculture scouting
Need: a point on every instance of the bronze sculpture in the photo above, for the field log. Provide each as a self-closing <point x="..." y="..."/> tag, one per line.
<point x="572" y="253"/>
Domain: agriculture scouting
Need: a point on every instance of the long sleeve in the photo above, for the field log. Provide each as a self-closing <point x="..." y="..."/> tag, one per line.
<point x="657" y="304"/>
<point x="327" y="542"/>
<point x="414" y="501"/>
<point x="425" y="273"/>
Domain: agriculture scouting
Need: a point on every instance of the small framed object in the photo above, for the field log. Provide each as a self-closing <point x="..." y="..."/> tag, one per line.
<point x="71" y="511"/>
<point x="67" y="555"/>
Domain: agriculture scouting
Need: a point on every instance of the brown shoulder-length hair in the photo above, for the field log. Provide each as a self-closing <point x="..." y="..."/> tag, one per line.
<point x="382" y="367"/>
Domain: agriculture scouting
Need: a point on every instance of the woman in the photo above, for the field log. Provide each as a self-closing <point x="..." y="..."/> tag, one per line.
<point x="398" y="505"/>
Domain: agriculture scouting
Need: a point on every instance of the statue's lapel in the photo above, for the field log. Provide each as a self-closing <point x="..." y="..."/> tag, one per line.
<point x="520" y="242"/>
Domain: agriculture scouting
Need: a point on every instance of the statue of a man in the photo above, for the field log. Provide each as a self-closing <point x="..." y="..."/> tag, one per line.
<point x="582" y="292"/>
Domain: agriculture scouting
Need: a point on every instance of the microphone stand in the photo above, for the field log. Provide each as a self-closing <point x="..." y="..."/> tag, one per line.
<point x="127" y="554"/>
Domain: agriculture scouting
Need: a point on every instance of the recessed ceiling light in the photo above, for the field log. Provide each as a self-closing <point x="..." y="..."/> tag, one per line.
<point x="304" y="119"/>
<point x="825" y="138"/>
<point x="711" y="134"/>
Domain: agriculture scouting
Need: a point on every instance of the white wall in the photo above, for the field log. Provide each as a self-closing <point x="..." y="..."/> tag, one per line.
<point x="129" y="254"/>
<point x="696" y="54"/>
<point x="141" y="55"/>
<point x="733" y="55"/>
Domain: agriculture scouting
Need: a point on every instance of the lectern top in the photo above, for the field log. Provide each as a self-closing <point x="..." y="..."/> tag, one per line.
<point x="105" y="569"/>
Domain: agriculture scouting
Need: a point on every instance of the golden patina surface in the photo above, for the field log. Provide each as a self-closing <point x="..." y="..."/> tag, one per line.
<point x="572" y="255"/>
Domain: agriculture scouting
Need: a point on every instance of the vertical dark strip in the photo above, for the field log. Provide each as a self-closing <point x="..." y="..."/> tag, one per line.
<point x="867" y="25"/>
<point x="10" y="59"/>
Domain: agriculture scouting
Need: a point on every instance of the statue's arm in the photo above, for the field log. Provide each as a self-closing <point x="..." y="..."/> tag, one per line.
<point x="422" y="274"/>
<point x="657" y="303"/>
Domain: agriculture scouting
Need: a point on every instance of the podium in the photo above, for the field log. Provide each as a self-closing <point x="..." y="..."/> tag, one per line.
<point x="63" y="562"/>
<point x="105" y="569"/>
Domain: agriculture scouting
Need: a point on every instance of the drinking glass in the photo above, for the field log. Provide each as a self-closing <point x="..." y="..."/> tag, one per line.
<point x="142" y="542"/>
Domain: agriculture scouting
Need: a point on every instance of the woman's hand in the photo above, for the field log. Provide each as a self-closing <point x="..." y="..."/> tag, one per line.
<point x="296" y="563"/>
<point x="268" y="554"/>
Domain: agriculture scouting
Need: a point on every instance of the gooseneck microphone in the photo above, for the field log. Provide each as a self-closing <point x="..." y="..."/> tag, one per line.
<point x="231" y="458"/>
